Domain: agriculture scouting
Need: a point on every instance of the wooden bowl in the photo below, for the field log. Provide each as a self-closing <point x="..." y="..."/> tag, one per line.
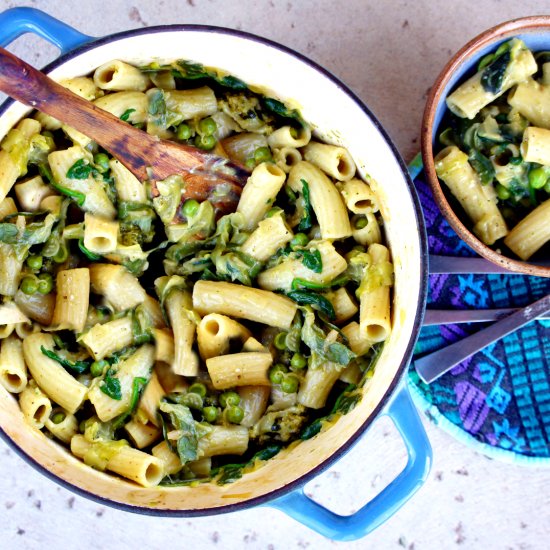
<point x="535" y="32"/>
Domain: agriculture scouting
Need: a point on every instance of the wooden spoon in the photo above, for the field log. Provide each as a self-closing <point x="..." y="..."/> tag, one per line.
<point x="206" y="176"/>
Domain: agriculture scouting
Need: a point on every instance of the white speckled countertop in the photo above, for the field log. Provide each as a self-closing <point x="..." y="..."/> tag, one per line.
<point x="389" y="53"/>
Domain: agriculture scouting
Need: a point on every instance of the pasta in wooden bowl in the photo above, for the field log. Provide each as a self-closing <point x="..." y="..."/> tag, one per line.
<point x="486" y="136"/>
<point x="158" y="340"/>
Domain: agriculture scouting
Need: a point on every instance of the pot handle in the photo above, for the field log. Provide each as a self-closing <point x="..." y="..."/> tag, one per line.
<point x="346" y="528"/>
<point x="17" y="21"/>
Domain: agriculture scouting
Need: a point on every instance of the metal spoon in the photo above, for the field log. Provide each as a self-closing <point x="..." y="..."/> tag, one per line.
<point x="433" y="365"/>
<point x="146" y="156"/>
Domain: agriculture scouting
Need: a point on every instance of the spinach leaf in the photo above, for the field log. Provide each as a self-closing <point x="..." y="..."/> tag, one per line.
<point x="182" y="420"/>
<point x="79" y="198"/>
<point x="230" y="473"/>
<point x="316" y="339"/>
<point x="90" y="255"/>
<point x="157" y="108"/>
<point x="126" y="114"/>
<point x="347" y="400"/>
<point x="312" y="260"/>
<point x="318" y="301"/>
<point x="80" y="170"/>
<point x="138" y="384"/>
<point x="482" y="165"/>
<point x="280" y="109"/>
<point x="299" y="283"/>
<point x="493" y="74"/>
<point x="75" y="366"/>
<point x="8" y="233"/>
<point x="307" y="221"/>
<point x="339" y="353"/>
<point x="312" y="429"/>
<point x="111" y="385"/>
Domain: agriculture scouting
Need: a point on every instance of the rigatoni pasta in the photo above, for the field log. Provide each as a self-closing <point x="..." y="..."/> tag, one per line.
<point x="157" y="339"/>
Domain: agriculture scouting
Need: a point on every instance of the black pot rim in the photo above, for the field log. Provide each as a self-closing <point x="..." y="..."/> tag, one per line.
<point x="419" y="314"/>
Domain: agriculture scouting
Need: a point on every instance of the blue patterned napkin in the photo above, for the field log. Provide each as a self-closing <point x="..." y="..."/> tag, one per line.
<point x="499" y="399"/>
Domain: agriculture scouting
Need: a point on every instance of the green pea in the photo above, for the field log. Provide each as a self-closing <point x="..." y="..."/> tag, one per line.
<point x="299" y="240"/>
<point x="234" y="414"/>
<point x="205" y="142"/>
<point x="29" y="285"/>
<point x="547" y="187"/>
<point x="34" y="262"/>
<point x="97" y="367"/>
<point x="229" y="399"/>
<point x="289" y="384"/>
<point x="250" y="163"/>
<point x="361" y="223"/>
<point x="210" y="414"/>
<point x="277" y="373"/>
<point x="190" y="208"/>
<point x="183" y="132"/>
<point x="198" y="388"/>
<point x="58" y="417"/>
<point x="280" y="341"/>
<point x="538" y="178"/>
<point x="101" y="161"/>
<point x="45" y="283"/>
<point x="503" y="193"/>
<point x="298" y="361"/>
<point x="262" y="154"/>
<point x="207" y="126"/>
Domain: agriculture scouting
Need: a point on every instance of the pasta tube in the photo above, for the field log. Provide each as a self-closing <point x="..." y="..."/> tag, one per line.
<point x="270" y="235"/>
<point x="221" y="440"/>
<point x="215" y="333"/>
<point x="325" y="199"/>
<point x="120" y="288"/>
<point x="100" y="235"/>
<point x="62" y="425"/>
<point x="72" y="299"/>
<point x="374" y="312"/>
<point x="531" y="233"/>
<point x="138" y="466"/>
<point x="243" y="302"/>
<point x="281" y="276"/>
<point x="35" y="405"/>
<point x="359" y="197"/>
<point x="117" y="75"/>
<point x="138" y="365"/>
<point x="259" y="193"/>
<point x="239" y="369"/>
<point x="535" y="146"/>
<point x="471" y="96"/>
<point x="103" y="340"/>
<point x="13" y="371"/>
<point x="331" y="159"/>
<point x="289" y="137"/>
<point x="51" y="377"/>
<point x="179" y="309"/>
<point x="452" y="166"/>
<point x="317" y="384"/>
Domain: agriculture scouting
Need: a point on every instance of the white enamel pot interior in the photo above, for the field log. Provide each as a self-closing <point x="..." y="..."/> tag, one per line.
<point x="337" y="116"/>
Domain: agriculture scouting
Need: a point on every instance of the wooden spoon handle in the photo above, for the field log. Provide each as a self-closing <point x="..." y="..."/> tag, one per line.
<point x="33" y="88"/>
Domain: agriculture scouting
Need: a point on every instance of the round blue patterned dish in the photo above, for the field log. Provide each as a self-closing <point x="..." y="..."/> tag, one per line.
<point x="497" y="401"/>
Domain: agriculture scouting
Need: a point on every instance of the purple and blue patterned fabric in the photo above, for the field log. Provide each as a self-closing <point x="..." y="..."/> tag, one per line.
<point x="499" y="399"/>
